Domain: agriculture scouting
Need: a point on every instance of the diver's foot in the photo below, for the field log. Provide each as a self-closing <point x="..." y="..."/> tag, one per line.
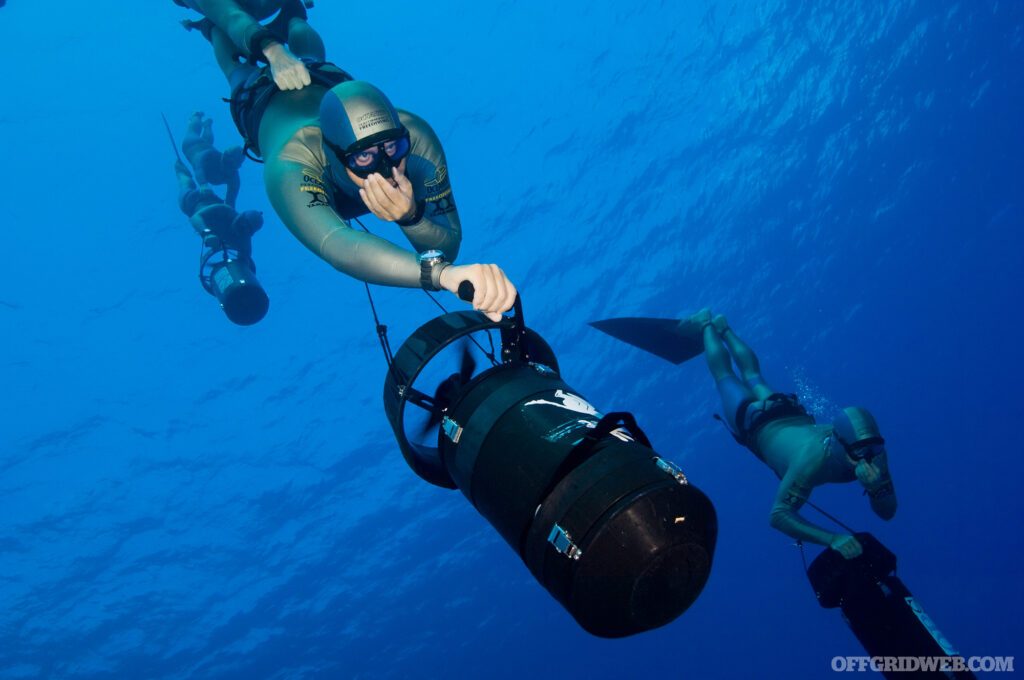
<point x="195" y="118"/>
<point x="721" y="325"/>
<point x="703" y="318"/>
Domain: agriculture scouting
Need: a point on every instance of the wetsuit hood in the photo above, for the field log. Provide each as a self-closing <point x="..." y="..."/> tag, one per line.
<point x="355" y="114"/>
<point x="856" y="426"/>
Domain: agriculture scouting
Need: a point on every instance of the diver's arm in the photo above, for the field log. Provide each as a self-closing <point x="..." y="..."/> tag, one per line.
<point x="789" y="498"/>
<point x="792" y="494"/>
<point x="255" y="40"/>
<point x="435" y="222"/>
<point x="298" y="196"/>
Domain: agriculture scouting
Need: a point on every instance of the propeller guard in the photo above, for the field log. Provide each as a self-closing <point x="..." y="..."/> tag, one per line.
<point x="518" y="344"/>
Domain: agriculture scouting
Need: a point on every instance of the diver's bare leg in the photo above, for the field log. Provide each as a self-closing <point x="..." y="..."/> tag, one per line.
<point x="746" y="360"/>
<point x="225" y="52"/>
<point x="716" y="354"/>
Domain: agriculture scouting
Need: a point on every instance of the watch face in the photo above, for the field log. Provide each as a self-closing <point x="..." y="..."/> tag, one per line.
<point x="431" y="255"/>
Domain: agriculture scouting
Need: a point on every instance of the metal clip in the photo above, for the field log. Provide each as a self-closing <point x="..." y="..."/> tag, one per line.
<point x="452" y="429"/>
<point x="562" y="541"/>
<point x="672" y="469"/>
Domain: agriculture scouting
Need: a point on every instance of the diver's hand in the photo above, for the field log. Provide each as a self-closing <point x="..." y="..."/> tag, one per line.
<point x="288" y="71"/>
<point x="868" y="475"/>
<point x="846" y="545"/>
<point x="493" y="292"/>
<point x="389" y="200"/>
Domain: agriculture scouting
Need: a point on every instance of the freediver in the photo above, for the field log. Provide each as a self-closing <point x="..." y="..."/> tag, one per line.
<point x="226" y="267"/>
<point x="337" y="149"/>
<point x="780" y="432"/>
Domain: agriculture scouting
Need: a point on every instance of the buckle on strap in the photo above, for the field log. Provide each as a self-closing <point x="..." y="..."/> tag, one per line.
<point x="563" y="543"/>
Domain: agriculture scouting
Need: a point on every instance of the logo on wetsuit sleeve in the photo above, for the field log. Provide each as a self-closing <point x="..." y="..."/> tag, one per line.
<point x="440" y="175"/>
<point x="439" y="192"/>
<point x="314" y="186"/>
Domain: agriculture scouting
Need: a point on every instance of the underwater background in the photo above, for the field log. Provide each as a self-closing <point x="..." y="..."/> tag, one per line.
<point x="184" y="498"/>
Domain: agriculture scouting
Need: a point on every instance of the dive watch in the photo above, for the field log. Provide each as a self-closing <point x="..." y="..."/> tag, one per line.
<point x="432" y="263"/>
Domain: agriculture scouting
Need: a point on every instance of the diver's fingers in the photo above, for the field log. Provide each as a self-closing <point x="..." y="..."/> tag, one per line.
<point x="404" y="185"/>
<point x="291" y="75"/>
<point x="485" y="290"/>
<point x="369" y="199"/>
<point x="392" y="197"/>
<point x="493" y="293"/>
<point x="391" y="203"/>
<point x="509" y="292"/>
<point x="867" y="473"/>
<point x="499" y="293"/>
<point x="374" y="190"/>
<point x="376" y="197"/>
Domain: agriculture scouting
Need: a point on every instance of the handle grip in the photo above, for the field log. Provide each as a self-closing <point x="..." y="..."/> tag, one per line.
<point x="466" y="292"/>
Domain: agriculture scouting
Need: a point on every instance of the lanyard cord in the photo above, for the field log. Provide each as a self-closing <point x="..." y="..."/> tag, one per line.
<point x="830" y="517"/>
<point x="800" y="544"/>
<point x="382" y="330"/>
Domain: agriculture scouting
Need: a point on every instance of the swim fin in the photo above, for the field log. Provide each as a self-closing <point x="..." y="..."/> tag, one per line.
<point x="673" y="339"/>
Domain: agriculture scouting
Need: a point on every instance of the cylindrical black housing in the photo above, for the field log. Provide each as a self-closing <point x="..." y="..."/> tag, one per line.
<point x="614" y="532"/>
<point x="879" y="609"/>
<point x="241" y="296"/>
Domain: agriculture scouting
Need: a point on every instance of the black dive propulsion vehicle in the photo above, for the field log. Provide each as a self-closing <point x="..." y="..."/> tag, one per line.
<point x="879" y="609"/>
<point x="226" y="267"/>
<point x="615" y="532"/>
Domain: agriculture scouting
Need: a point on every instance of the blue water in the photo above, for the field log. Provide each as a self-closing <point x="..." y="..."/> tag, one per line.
<point x="184" y="498"/>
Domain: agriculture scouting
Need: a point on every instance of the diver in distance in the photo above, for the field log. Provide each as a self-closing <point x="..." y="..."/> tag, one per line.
<point x="337" y="149"/>
<point x="234" y="30"/>
<point x="773" y="425"/>
<point x="804" y="454"/>
<point x="211" y="166"/>
<point x="226" y="268"/>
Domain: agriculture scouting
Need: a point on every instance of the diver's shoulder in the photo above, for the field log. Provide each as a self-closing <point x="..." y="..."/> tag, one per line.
<point x="305" y="147"/>
<point x="415" y="124"/>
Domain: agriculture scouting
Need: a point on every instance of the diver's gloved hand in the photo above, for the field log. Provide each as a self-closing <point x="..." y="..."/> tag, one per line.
<point x="288" y="71"/>
<point x="846" y="545"/>
<point x="389" y="200"/>
<point x="493" y="293"/>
